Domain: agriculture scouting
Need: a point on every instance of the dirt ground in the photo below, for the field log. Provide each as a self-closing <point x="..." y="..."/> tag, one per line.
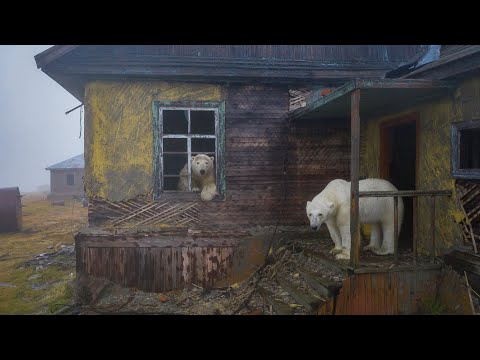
<point x="39" y="288"/>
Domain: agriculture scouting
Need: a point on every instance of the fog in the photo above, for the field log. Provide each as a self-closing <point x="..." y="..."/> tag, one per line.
<point x="34" y="130"/>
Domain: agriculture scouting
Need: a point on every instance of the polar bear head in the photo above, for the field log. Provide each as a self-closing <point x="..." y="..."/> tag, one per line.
<point x="202" y="165"/>
<point x="318" y="212"/>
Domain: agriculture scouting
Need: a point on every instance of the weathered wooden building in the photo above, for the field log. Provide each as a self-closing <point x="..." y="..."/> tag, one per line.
<point x="67" y="179"/>
<point x="276" y="130"/>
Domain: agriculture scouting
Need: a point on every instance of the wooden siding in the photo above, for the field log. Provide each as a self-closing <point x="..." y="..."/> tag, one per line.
<point x="332" y="53"/>
<point x="399" y="293"/>
<point x="59" y="187"/>
<point x="319" y="153"/>
<point x="257" y="137"/>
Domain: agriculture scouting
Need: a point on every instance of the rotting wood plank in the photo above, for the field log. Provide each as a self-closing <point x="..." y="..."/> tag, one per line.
<point x="337" y="267"/>
<point x="278" y="306"/>
<point x="323" y="286"/>
<point x="309" y="302"/>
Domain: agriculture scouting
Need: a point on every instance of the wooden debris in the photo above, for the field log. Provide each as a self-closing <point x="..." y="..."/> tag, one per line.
<point x="278" y="306"/>
<point x="309" y="302"/>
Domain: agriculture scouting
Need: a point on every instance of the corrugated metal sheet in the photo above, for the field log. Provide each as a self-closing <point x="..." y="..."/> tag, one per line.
<point x="76" y="162"/>
<point x="10" y="210"/>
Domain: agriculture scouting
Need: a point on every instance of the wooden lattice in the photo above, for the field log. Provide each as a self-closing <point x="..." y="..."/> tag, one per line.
<point x="297" y="98"/>
<point x="143" y="211"/>
<point x="469" y="198"/>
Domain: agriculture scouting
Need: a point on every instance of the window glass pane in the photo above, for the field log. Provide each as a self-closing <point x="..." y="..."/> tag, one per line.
<point x="470" y="149"/>
<point x="174" y="163"/>
<point x="70" y="179"/>
<point x="174" y="145"/>
<point x="170" y="183"/>
<point x="175" y="121"/>
<point x="203" y="146"/>
<point x="202" y="122"/>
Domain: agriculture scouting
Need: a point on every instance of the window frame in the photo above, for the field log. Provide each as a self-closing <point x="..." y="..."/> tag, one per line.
<point x="456" y="129"/>
<point x="219" y="109"/>
<point x="73" y="180"/>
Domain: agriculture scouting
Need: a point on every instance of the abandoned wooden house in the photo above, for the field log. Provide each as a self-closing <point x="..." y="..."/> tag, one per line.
<point x="67" y="179"/>
<point x="279" y="123"/>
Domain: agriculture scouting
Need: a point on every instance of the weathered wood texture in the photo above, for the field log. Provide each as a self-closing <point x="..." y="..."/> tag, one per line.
<point x="319" y="152"/>
<point x="60" y="189"/>
<point x="257" y="136"/>
<point x="156" y="269"/>
<point x="398" y="293"/>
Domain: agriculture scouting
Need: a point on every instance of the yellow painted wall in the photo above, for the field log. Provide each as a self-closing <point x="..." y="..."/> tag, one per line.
<point x="434" y="168"/>
<point x="119" y="133"/>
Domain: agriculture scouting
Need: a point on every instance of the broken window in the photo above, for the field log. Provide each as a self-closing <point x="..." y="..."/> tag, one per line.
<point x="70" y="179"/>
<point x="466" y="150"/>
<point x="185" y="132"/>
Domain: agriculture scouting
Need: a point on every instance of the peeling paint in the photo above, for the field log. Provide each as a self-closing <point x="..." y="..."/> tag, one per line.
<point x="119" y="134"/>
<point x="434" y="168"/>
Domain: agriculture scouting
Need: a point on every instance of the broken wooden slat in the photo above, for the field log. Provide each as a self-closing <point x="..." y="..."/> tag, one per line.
<point x="309" y="302"/>
<point x="319" y="257"/>
<point x="278" y="306"/>
<point x="323" y="286"/>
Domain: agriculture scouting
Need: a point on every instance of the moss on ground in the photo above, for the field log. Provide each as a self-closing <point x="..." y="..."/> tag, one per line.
<point x="28" y="290"/>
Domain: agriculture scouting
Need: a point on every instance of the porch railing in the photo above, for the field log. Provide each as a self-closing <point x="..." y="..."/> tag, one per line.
<point x="396" y="194"/>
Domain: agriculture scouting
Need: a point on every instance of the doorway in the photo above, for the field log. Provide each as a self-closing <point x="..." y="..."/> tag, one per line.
<point x="398" y="164"/>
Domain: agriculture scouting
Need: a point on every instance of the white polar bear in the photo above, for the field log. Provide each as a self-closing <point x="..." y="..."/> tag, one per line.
<point x="332" y="206"/>
<point x="203" y="177"/>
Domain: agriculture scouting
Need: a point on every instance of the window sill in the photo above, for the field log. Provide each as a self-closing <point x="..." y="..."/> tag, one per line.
<point x="182" y="196"/>
<point x="466" y="174"/>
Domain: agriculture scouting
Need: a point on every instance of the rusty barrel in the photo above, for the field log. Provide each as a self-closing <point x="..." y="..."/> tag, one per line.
<point x="10" y="210"/>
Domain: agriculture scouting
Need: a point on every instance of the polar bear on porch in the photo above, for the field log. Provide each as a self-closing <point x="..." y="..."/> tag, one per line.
<point x="332" y="206"/>
<point x="203" y="177"/>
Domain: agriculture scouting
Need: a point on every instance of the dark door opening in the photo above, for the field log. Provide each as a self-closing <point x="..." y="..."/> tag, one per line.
<point x="398" y="165"/>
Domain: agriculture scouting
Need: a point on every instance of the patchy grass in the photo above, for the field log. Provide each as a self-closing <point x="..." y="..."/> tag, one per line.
<point x="24" y="290"/>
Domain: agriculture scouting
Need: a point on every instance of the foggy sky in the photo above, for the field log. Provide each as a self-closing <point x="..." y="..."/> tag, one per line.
<point x="34" y="130"/>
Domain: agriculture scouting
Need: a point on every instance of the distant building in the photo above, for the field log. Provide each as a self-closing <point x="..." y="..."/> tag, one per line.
<point x="67" y="178"/>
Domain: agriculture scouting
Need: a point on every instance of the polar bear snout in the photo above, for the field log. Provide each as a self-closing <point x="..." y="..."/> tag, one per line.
<point x="315" y="227"/>
<point x="202" y="172"/>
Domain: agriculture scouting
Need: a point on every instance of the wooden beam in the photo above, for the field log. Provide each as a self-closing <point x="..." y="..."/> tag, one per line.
<point x="354" y="171"/>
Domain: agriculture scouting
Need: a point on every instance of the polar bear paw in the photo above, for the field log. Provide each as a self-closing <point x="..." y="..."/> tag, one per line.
<point x="370" y="248"/>
<point x="344" y="255"/>
<point x="196" y="189"/>
<point x="336" y="250"/>
<point x="383" y="251"/>
<point x="208" y="192"/>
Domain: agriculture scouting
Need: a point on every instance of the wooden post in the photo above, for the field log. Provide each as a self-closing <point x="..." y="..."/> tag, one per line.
<point x="432" y="205"/>
<point x="415" y="230"/>
<point x="395" y="228"/>
<point x="354" y="170"/>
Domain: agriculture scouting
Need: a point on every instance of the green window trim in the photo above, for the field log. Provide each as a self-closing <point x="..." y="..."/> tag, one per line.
<point x="219" y="108"/>
<point x="456" y="138"/>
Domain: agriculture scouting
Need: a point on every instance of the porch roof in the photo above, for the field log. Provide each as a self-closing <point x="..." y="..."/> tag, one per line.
<point x="377" y="97"/>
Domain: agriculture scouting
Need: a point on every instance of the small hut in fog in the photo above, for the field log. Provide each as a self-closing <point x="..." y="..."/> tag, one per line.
<point x="66" y="179"/>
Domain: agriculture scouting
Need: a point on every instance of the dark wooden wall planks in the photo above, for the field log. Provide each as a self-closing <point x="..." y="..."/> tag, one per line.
<point x="258" y="135"/>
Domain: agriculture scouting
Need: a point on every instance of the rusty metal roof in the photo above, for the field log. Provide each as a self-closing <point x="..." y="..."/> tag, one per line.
<point x="377" y="97"/>
<point x="76" y="162"/>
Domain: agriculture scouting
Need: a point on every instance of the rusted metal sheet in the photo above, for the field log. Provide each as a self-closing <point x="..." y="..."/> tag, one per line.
<point x="10" y="209"/>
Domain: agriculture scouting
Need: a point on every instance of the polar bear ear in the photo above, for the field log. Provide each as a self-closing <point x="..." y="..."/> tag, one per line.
<point x="308" y="203"/>
<point x="193" y="158"/>
<point x="212" y="158"/>
<point x="329" y="204"/>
